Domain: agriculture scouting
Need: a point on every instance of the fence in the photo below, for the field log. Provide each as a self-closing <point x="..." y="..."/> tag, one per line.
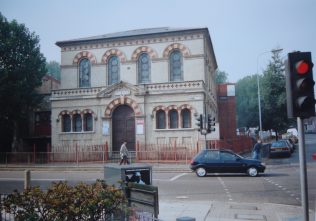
<point x="155" y="153"/>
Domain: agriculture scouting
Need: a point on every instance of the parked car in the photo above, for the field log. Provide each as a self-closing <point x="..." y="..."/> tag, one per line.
<point x="280" y="148"/>
<point x="291" y="145"/>
<point x="224" y="161"/>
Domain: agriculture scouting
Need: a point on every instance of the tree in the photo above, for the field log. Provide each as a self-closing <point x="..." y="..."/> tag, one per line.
<point x="221" y="77"/>
<point x="22" y="67"/>
<point x="273" y="95"/>
<point x="53" y="69"/>
<point x="272" y="98"/>
<point x="247" y="102"/>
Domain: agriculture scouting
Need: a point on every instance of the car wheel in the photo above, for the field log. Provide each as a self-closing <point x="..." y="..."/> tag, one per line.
<point x="200" y="172"/>
<point x="252" y="171"/>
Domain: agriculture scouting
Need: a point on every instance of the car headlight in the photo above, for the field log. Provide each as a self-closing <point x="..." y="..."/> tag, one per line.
<point x="263" y="164"/>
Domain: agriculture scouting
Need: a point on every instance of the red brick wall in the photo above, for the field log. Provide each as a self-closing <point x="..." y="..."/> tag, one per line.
<point x="226" y="113"/>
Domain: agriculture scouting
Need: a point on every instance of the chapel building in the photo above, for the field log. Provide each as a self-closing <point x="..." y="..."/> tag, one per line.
<point x="142" y="86"/>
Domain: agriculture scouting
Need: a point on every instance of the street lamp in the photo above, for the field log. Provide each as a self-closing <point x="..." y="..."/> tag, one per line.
<point x="259" y="102"/>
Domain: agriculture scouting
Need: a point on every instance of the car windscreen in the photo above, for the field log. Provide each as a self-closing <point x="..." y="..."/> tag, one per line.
<point x="278" y="144"/>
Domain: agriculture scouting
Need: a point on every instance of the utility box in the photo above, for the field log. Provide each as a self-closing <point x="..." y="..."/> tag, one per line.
<point x="135" y="173"/>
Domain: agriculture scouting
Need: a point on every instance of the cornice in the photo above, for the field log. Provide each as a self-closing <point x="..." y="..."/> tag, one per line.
<point x="105" y="44"/>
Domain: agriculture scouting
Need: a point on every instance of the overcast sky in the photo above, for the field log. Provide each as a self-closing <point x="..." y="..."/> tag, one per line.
<point x="241" y="30"/>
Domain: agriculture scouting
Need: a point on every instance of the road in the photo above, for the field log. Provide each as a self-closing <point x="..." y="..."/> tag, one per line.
<point x="279" y="184"/>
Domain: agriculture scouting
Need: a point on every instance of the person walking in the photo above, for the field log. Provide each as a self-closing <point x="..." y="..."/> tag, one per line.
<point x="256" y="150"/>
<point x="124" y="154"/>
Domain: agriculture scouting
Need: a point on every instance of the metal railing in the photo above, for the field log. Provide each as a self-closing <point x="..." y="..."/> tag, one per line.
<point x="84" y="157"/>
<point x="154" y="153"/>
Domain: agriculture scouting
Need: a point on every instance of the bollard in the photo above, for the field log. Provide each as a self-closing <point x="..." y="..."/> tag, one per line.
<point x="185" y="218"/>
<point x="27" y="179"/>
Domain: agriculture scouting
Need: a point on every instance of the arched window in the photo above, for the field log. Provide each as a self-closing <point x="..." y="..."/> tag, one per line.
<point x="113" y="70"/>
<point x="66" y="123"/>
<point x="143" y="68"/>
<point x="161" y="119"/>
<point x="84" y="73"/>
<point x="87" y="122"/>
<point x="173" y="119"/>
<point x="186" y="118"/>
<point x="77" y="123"/>
<point x="175" y="66"/>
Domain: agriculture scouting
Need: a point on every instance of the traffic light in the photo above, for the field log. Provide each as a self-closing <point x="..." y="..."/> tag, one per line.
<point x="200" y="122"/>
<point x="210" y="123"/>
<point x="300" y="85"/>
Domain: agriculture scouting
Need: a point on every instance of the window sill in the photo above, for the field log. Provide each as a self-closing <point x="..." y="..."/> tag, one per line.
<point x="175" y="129"/>
<point x="81" y="132"/>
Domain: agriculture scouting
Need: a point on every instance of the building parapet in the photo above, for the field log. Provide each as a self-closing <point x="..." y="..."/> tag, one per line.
<point x="151" y="88"/>
<point x="186" y="85"/>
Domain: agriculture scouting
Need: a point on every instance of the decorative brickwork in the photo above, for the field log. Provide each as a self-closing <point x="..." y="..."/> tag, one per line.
<point x="187" y="106"/>
<point x="171" y="107"/>
<point x="144" y="49"/>
<point x="121" y="101"/>
<point x="112" y="52"/>
<point x="178" y="108"/>
<point x="176" y="46"/>
<point x="85" y="54"/>
<point x="82" y="112"/>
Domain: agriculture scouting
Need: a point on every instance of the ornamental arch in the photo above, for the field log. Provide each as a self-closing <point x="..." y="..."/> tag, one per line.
<point x="84" y="54"/>
<point x="144" y="49"/>
<point x="176" y="46"/>
<point x="113" y="52"/>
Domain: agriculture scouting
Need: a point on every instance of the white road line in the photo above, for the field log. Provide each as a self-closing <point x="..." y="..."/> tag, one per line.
<point x="21" y="179"/>
<point x="178" y="176"/>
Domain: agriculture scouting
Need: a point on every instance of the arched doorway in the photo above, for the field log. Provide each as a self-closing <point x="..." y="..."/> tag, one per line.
<point x="123" y="128"/>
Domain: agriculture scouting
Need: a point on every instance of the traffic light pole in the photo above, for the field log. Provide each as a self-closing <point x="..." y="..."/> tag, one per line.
<point x="303" y="171"/>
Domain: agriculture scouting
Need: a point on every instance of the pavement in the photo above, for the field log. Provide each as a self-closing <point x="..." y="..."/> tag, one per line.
<point x="187" y="210"/>
<point x="229" y="211"/>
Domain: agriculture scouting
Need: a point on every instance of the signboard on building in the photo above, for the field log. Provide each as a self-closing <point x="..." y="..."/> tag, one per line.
<point x="140" y="126"/>
<point x="105" y="128"/>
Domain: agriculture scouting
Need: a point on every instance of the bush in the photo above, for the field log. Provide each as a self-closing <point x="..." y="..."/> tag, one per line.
<point x="64" y="202"/>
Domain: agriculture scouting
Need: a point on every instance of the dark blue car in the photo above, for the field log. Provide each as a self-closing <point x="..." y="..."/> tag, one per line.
<point x="224" y="161"/>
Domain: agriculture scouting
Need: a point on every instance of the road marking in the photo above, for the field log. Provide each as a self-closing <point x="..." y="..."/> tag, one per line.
<point x="228" y="194"/>
<point x="177" y="177"/>
<point x="21" y="179"/>
<point x="182" y="197"/>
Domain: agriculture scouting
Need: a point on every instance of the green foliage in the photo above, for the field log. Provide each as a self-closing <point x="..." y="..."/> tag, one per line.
<point x="247" y="102"/>
<point x="221" y="77"/>
<point x="22" y="67"/>
<point x="53" y="69"/>
<point x="272" y="97"/>
<point x="64" y="202"/>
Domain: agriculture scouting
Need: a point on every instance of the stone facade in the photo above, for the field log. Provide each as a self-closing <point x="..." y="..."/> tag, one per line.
<point x="194" y="93"/>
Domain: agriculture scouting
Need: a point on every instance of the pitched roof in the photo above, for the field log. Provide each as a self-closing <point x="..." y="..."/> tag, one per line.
<point x="131" y="33"/>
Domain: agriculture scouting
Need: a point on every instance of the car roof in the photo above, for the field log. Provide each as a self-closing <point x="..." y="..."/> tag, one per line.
<point x="221" y="149"/>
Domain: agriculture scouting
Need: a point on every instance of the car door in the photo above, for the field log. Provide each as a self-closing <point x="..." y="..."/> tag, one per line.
<point x="212" y="161"/>
<point x="231" y="163"/>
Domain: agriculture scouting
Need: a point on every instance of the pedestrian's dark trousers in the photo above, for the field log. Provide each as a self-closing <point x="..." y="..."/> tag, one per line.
<point x="124" y="160"/>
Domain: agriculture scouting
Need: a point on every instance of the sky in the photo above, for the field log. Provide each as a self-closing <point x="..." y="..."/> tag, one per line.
<point x="243" y="32"/>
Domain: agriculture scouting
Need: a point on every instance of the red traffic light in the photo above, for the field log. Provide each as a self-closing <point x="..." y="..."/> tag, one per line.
<point x="300" y="85"/>
<point x="302" y="67"/>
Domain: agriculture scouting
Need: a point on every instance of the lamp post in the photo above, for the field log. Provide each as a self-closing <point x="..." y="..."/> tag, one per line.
<point x="258" y="85"/>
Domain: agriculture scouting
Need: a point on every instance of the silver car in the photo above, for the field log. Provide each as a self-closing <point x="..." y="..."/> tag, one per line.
<point x="280" y="148"/>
